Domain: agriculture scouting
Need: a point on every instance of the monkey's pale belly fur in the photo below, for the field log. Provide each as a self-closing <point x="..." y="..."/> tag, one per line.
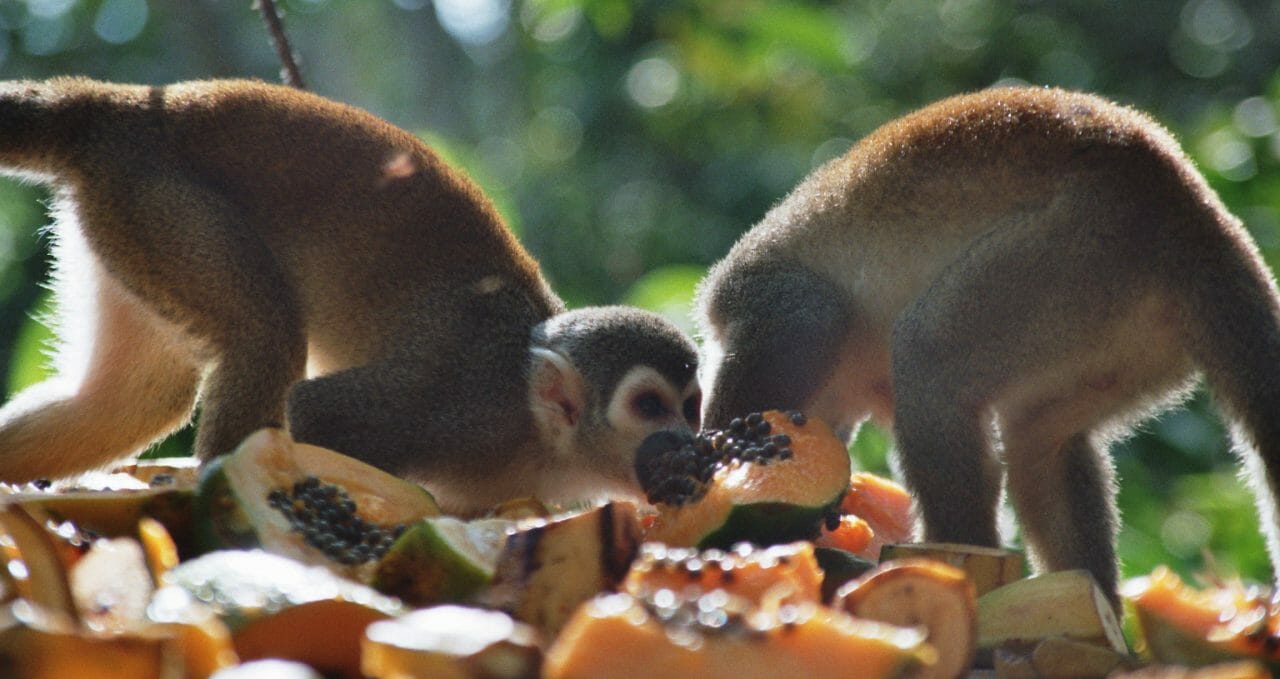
<point x="295" y="261"/>
<point x="1011" y="279"/>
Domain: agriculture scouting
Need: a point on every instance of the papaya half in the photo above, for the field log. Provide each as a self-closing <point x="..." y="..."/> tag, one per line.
<point x="770" y="478"/>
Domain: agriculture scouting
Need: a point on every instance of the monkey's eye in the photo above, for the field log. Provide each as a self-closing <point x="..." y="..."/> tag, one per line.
<point x="692" y="410"/>
<point x="649" y="406"/>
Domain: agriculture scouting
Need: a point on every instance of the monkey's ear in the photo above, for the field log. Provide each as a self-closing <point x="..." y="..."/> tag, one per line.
<point x="556" y="390"/>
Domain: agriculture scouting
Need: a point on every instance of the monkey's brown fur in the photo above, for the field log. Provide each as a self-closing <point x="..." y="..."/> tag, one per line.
<point x="237" y="236"/>
<point x="1014" y="276"/>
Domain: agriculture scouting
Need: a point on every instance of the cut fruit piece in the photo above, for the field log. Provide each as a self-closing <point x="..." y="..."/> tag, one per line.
<point x="777" y="574"/>
<point x="451" y="642"/>
<point x="35" y="644"/>
<point x="771" y="478"/>
<point x="719" y="635"/>
<point x="441" y="560"/>
<point x="203" y="638"/>
<point x="1059" y="658"/>
<point x="277" y="607"/>
<point x="921" y="592"/>
<point x="158" y="545"/>
<point x="853" y="535"/>
<point x="35" y="561"/>
<point x="1240" y="669"/>
<point x="1059" y="604"/>
<point x="987" y="567"/>
<point x="116" y="514"/>
<point x="883" y="503"/>
<point x="308" y="503"/>
<point x="112" y="586"/>
<point x="548" y="568"/>
<point x="1179" y="624"/>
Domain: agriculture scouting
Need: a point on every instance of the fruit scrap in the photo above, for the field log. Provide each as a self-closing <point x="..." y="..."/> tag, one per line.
<point x="1241" y="669"/>
<point x="987" y="567"/>
<point x="276" y="607"/>
<point x="1059" y="658"/>
<point x="716" y="635"/>
<point x="1059" y="604"/>
<point x="758" y="490"/>
<point x="1180" y="624"/>
<point x="852" y="534"/>
<point x="451" y="642"/>
<point x="36" y="643"/>
<point x="441" y="560"/>
<point x="921" y="592"/>
<point x="548" y="568"/>
<point x="782" y="573"/>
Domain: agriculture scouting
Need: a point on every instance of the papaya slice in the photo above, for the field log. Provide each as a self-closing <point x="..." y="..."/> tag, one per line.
<point x="39" y="644"/>
<point x="1177" y="623"/>
<point x="308" y="503"/>
<point x="276" y="607"/>
<point x="882" y="503"/>
<point x="778" y="574"/>
<point x="451" y="642"/>
<point x="717" y="635"/>
<point x="851" y="534"/>
<point x="771" y="478"/>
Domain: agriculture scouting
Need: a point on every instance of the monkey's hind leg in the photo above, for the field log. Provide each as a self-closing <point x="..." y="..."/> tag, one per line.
<point x="123" y="383"/>
<point x="197" y="257"/>
<point x="1234" y="336"/>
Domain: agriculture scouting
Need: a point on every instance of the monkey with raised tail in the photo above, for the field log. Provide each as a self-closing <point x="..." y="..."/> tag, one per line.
<point x="285" y="259"/>
<point x="1011" y="279"/>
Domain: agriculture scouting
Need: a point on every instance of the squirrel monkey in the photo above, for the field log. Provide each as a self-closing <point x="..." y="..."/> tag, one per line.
<point x="1012" y="280"/>
<point x="230" y="239"/>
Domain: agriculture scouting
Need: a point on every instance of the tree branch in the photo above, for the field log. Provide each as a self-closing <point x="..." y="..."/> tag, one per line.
<point x="289" y="72"/>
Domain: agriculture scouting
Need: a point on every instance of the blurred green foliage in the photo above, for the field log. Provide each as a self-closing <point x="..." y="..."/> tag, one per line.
<point x="630" y="143"/>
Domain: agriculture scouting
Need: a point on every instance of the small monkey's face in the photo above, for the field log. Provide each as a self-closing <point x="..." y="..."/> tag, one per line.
<point x="643" y="402"/>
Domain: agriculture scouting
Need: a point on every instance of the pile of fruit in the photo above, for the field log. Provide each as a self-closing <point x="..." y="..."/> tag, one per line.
<point x="762" y="556"/>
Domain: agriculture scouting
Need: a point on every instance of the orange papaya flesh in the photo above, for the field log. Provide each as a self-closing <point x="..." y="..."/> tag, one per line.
<point x="778" y="573"/>
<point x="324" y="634"/>
<point x="278" y="607"/>
<point x="883" y="503"/>
<point x="308" y="503"/>
<point x="1180" y="624"/>
<point x="853" y="535"/>
<point x="772" y="478"/>
<point x="719" y="635"/>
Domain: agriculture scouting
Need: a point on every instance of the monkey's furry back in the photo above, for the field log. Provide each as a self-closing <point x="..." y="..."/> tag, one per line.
<point x="353" y="230"/>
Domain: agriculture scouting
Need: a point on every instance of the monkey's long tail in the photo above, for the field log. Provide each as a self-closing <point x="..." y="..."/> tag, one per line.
<point x="1235" y="328"/>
